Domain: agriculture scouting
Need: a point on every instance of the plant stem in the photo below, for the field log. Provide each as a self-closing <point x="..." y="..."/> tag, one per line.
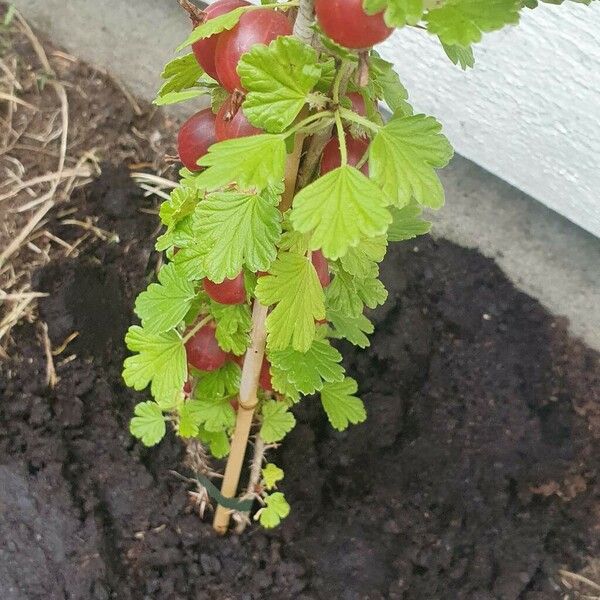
<point x="196" y="328"/>
<point x="304" y="20"/>
<point x="305" y="122"/>
<point x="342" y="138"/>
<point x="350" y="115"/>
<point x="317" y="143"/>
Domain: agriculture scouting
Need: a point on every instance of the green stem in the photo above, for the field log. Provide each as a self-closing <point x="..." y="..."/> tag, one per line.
<point x="363" y="160"/>
<point x="196" y="328"/>
<point x="305" y="122"/>
<point x="341" y="74"/>
<point x="342" y="138"/>
<point x="350" y="115"/>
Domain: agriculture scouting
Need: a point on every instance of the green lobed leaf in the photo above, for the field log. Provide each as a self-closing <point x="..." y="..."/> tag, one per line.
<point x="341" y="208"/>
<point x="161" y="362"/>
<point x="387" y="85"/>
<point x="398" y="13"/>
<point x="180" y="74"/>
<point x="372" y="292"/>
<point x="277" y="421"/>
<point x="148" y="424"/>
<point x="341" y="405"/>
<point x="189" y="262"/>
<point x="342" y="294"/>
<point x="351" y="328"/>
<point x="328" y="71"/>
<point x="403" y="157"/>
<point x="460" y="56"/>
<point x="349" y="294"/>
<point x="252" y="162"/>
<point x="237" y="230"/>
<point x="219" y="383"/>
<point x="215" y="25"/>
<point x="275" y="510"/>
<point x="218" y="441"/>
<point x="180" y="235"/>
<point x="271" y="475"/>
<point x="293" y="286"/>
<point x="234" y="323"/>
<point x="307" y="371"/>
<point x="463" y="22"/>
<point x="164" y="305"/>
<point x="181" y="203"/>
<point x="281" y="384"/>
<point x="189" y="419"/>
<point x="177" y="97"/>
<point x="407" y="223"/>
<point x="361" y="261"/>
<point x="278" y="79"/>
<point x="215" y="414"/>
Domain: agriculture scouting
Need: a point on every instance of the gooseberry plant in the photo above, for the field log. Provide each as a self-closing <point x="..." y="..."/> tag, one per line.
<point x="292" y="188"/>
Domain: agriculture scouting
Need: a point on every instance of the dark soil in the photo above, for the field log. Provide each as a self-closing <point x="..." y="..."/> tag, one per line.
<point x="475" y="476"/>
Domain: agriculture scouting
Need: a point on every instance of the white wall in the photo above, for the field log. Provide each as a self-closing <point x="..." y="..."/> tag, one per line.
<point x="530" y="110"/>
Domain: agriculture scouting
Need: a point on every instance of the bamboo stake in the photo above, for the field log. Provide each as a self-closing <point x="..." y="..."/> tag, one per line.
<point x="255" y="354"/>
<point x="251" y="370"/>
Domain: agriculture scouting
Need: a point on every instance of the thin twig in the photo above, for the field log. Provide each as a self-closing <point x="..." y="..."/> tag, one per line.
<point x="581" y="579"/>
<point x="51" y="378"/>
<point x="18" y="241"/>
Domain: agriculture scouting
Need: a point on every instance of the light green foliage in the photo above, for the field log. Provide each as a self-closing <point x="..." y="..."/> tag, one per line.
<point x="252" y="162"/>
<point x="307" y="371"/>
<point x="403" y="159"/>
<point x="348" y="294"/>
<point x="189" y="419"/>
<point x="354" y="329"/>
<point x="233" y="327"/>
<point x="293" y="287"/>
<point x="181" y="203"/>
<point x="180" y="74"/>
<point x="217" y="384"/>
<point x="189" y="262"/>
<point x="160" y="362"/>
<point x="276" y="509"/>
<point x="277" y="421"/>
<point x="163" y="305"/>
<point x="281" y="383"/>
<point x="386" y="85"/>
<point x="218" y="441"/>
<point x="397" y="12"/>
<point x="238" y="229"/>
<point x="407" y="223"/>
<point x="148" y="424"/>
<point x="212" y="26"/>
<point x="460" y="55"/>
<point x="361" y="261"/>
<point x="214" y="413"/>
<point x="463" y="22"/>
<point x="341" y="405"/>
<point x="340" y="209"/>
<point x="278" y="79"/>
<point x="271" y="475"/>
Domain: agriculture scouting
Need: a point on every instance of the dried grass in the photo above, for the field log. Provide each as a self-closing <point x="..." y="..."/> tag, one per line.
<point x="54" y="114"/>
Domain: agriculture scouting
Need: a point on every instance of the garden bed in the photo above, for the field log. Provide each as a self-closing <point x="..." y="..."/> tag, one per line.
<point x="475" y="475"/>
